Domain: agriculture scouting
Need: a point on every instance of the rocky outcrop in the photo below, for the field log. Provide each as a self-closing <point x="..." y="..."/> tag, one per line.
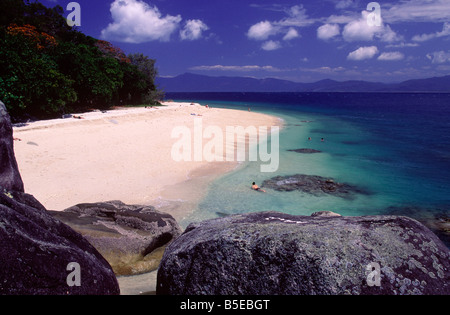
<point x="39" y="254"/>
<point x="305" y="150"/>
<point x="128" y="236"/>
<point x="434" y="217"/>
<point x="37" y="251"/>
<point x="312" y="184"/>
<point x="10" y="178"/>
<point x="272" y="253"/>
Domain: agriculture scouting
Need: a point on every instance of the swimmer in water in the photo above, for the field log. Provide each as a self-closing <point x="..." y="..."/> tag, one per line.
<point x="256" y="187"/>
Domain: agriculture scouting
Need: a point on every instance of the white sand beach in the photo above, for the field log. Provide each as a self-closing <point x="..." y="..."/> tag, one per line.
<point x="122" y="154"/>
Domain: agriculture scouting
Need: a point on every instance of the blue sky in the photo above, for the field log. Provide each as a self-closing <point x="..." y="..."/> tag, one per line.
<point x="302" y="41"/>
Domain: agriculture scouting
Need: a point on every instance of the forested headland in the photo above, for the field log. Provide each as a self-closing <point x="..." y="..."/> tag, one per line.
<point x="48" y="68"/>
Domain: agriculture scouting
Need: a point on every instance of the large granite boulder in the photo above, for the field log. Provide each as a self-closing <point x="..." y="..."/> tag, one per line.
<point x="39" y="254"/>
<point x="37" y="251"/>
<point x="272" y="253"/>
<point x="10" y="178"/>
<point x="130" y="237"/>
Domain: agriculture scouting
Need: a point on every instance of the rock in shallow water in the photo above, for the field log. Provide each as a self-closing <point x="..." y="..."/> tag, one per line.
<point x="272" y="253"/>
<point x="312" y="184"/>
<point x="305" y="151"/>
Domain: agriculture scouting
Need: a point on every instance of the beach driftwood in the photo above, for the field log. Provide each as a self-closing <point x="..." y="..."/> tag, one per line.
<point x="39" y="254"/>
<point x="130" y="237"/>
<point x="271" y="253"/>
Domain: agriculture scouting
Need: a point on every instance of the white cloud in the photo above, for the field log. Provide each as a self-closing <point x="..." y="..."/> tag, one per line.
<point x="271" y="45"/>
<point x="296" y="18"/>
<point x="324" y="70"/>
<point x="193" y="30"/>
<point x="439" y="56"/>
<point x="137" y="22"/>
<point x="261" y="30"/>
<point x="328" y="31"/>
<point x="360" y="30"/>
<point x="343" y="4"/>
<point x="236" y="68"/>
<point x="341" y="19"/>
<point x="363" y="53"/>
<point x="424" y="37"/>
<point x="391" y="56"/>
<point x="417" y="11"/>
<point x="291" y="34"/>
<point x="402" y="45"/>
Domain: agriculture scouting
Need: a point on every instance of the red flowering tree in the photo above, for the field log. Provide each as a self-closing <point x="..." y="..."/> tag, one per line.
<point x="41" y="39"/>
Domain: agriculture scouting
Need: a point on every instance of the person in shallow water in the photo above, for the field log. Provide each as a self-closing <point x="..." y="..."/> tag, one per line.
<point x="256" y="187"/>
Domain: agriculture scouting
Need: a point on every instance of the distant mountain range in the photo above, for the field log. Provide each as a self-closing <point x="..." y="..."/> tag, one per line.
<point x="189" y="82"/>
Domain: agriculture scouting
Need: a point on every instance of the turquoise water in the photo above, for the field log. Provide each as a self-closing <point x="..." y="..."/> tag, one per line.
<point x="399" y="154"/>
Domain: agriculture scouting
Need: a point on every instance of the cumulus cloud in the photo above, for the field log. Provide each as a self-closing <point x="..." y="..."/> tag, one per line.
<point x="439" y="56"/>
<point x="363" y="53"/>
<point x="291" y="34"/>
<point x="360" y="30"/>
<point x="295" y="18"/>
<point x="261" y="30"/>
<point x="271" y="45"/>
<point x="391" y="56"/>
<point x="424" y="37"/>
<point x="193" y="30"/>
<point x="137" y="22"/>
<point x="328" y="31"/>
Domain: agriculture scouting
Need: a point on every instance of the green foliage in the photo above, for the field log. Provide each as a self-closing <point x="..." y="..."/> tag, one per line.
<point x="145" y="65"/>
<point x="48" y="68"/>
<point x="33" y="83"/>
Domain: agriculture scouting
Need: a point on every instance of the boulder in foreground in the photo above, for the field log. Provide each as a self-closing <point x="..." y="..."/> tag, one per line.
<point x="271" y="253"/>
<point x="38" y="254"/>
<point x="10" y="178"/>
<point x="37" y="251"/>
<point x="129" y="237"/>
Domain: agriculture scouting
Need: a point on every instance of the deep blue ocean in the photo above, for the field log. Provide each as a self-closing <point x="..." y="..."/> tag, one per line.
<point x="395" y="146"/>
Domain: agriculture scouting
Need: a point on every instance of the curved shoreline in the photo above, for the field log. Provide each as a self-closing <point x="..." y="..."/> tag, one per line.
<point x="122" y="155"/>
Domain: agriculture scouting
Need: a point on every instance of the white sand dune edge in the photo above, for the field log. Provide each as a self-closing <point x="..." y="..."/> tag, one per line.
<point x="122" y="155"/>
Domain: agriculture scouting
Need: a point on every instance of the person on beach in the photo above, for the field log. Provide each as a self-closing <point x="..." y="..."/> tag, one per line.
<point x="256" y="187"/>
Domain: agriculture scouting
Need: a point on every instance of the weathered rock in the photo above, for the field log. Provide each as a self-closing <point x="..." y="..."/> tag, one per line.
<point x="37" y="249"/>
<point x="306" y="151"/>
<point x="436" y="218"/>
<point x="272" y="253"/>
<point x="126" y="235"/>
<point x="10" y="178"/>
<point x="312" y="184"/>
<point x="38" y="252"/>
<point x="325" y="214"/>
